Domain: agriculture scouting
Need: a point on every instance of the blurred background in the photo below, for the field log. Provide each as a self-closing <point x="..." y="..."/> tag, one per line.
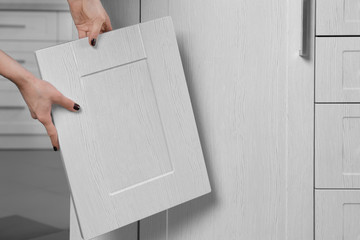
<point x="34" y="194"/>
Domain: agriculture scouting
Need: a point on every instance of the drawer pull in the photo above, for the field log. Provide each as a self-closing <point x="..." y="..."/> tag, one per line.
<point x="304" y="28"/>
<point x="21" y="61"/>
<point x="12" y="26"/>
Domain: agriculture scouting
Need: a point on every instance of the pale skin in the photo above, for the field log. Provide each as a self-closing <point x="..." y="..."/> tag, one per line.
<point x="90" y="19"/>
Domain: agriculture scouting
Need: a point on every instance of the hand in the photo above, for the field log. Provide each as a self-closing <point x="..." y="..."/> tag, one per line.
<point x="90" y="18"/>
<point x="39" y="95"/>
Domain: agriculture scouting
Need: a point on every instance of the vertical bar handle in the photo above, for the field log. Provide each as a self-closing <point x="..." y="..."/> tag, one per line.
<point x="304" y="25"/>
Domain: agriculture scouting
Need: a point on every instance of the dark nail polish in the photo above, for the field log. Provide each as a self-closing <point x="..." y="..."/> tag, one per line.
<point x="55" y="149"/>
<point x="93" y="42"/>
<point x="76" y="107"/>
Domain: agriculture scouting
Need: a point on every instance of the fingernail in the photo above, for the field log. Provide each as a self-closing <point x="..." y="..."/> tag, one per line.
<point x="76" y="107"/>
<point x="93" y="42"/>
<point x="55" y="148"/>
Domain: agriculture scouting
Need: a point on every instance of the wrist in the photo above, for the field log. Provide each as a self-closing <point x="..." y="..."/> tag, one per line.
<point x="27" y="79"/>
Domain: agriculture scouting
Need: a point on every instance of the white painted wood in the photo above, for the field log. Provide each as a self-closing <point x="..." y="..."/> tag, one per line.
<point x="337" y="17"/>
<point x="128" y="232"/>
<point x="64" y="26"/>
<point x="135" y="140"/>
<point x="253" y="100"/>
<point x="337" y="144"/>
<point x="337" y="214"/>
<point x="36" y="5"/>
<point x="122" y="13"/>
<point x="337" y="69"/>
<point x="18" y="25"/>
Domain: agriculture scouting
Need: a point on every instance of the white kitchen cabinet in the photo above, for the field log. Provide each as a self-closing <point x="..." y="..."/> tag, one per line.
<point x="24" y="28"/>
<point x="253" y="101"/>
<point x="337" y="17"/>
<point x="337" y="69"/>
<point x="337" y="144"/>
<point x="337" y="215"/>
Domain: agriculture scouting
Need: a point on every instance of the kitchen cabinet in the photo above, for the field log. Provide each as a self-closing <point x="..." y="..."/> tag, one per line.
<point x="337" y="141"/>
<point x="253" y="100"/>
<point x="337" y="122"/>
<point x="337" y="214"/>
<point x="24" y="28"/>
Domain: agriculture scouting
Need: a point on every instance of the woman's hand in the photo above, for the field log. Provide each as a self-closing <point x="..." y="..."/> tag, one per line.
<point x="40" y="95"/>
<point x="90" y="18"/>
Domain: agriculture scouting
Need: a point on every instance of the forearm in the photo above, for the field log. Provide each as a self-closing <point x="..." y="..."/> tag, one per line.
<point x="13" y="71"/>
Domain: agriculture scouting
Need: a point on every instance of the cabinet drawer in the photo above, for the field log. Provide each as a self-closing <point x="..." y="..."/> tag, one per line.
<point x="337" y="69"/>
<point x="24" y="132"/>
<point x="337" y="214"/>
<point x="24" y="54"/>
<point x="337" y="17"/>
<point x="337" y="146"/>
<point x="16" y="25"/>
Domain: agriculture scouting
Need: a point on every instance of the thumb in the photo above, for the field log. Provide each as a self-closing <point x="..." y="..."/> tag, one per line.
<point x="94" y="33"/>
<point x="67" y="103"/>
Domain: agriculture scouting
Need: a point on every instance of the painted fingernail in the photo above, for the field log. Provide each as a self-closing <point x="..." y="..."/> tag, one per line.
<point x="93" y="42"/>
<point x="76" y="107"/>
<point x="55" y="148"/>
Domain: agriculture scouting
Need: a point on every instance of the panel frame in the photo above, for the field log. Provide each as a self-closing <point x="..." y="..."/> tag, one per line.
<point x="329" y="146"/>
<point x="329" y="218"/>
<point x="329" y="73"/>
<point x="189" y="180"/>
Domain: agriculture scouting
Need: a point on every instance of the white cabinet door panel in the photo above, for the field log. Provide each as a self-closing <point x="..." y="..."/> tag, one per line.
<point x="337" y="144"/>
<point x="337" y="69"/>
<point x="337" y="215"/>
<point x="133" y="149"/>
<point x="337" y="17"/>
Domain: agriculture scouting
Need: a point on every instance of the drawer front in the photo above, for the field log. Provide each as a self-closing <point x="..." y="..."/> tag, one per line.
<point x="16" y="25"/>
<point x="24" y="133"/>
<point x="337" y="69"/>
<point x="337" y="215"/>
<point x="24" y="54"/>
<point x="337" y="17"/>
<point x="337" y="145"/>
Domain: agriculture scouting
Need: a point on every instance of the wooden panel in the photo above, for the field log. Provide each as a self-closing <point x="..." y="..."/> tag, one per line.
<point x="126" y="233"/>
<point x="255" y="122"/>
<point x="337" y="215"/>
<point x="337" y="17"/>
<point x="142" y="153"/>
<point x="122" y="14"/>
<point x="337" y="144"/>
<point x="337" y="69"/>
<point x="16" y="25"/>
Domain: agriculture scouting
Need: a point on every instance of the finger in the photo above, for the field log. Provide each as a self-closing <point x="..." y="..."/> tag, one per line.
<point x="51" y="131"/>
<point x="82" y="34"/>
<point x="67" y="103"/>
<point x="108" y="26"/>
<point x="94" y="33"/>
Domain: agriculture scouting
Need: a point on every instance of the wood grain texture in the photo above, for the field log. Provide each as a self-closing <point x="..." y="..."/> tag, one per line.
<point x="337" y="67"/>
<point x="337" y="214"/>
<point x="253" y="100"/>
<point x="122" y="14"/>
<point x="337" y="17"/>
<point x="135" y="141"/>
<point x="337" y="143"/>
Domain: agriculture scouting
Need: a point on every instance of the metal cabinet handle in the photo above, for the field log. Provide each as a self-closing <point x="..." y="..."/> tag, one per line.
<point x="12" y="25"/>
<point x="304" y="28"/>
<point x="21" y="61"/>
